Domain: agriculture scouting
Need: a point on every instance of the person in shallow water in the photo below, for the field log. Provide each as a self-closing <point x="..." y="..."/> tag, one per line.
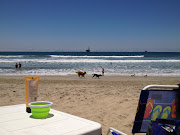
<point x="16" y="66"/>
<point x="19" y="65"/>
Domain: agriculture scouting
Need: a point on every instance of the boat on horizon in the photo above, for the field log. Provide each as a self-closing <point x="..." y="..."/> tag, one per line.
<point x="88" y="50"/>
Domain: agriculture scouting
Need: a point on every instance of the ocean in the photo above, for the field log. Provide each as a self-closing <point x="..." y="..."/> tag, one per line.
<point x="68" y="63"/>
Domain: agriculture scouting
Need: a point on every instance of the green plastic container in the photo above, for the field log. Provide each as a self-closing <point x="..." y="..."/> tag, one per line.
<point x="40" y="109"/>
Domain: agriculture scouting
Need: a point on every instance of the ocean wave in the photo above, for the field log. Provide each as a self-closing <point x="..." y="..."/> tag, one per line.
<point x="11" y="56"/>
<point x="85" y="61"/>
<point x="24" y="56"/>
<point x="68" y="56"/>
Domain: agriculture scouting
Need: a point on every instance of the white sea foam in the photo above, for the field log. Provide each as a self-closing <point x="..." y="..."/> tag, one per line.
<point x="89" y="72"/>
<point x="85" y="61"/>
<point x="64" y="56"/>
<point x="11" y="56"/>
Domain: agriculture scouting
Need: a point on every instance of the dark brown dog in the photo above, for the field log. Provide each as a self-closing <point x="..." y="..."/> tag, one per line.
<point x="81" y="74"/>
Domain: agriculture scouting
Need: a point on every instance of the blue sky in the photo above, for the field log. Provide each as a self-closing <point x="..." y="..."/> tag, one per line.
<point x="103" y="25"/>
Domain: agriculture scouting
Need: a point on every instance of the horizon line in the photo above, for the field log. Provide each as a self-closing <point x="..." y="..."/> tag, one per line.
<point x="84" y="51"/>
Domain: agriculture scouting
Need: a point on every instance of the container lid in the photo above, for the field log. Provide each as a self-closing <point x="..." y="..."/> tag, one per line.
<point x="40" y="106"/>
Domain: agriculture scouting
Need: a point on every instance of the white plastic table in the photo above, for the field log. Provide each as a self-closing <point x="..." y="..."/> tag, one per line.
<point x="15" y="121"/>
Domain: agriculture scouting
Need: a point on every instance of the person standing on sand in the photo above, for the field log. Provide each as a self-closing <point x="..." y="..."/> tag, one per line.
<point x="103" y="71"/>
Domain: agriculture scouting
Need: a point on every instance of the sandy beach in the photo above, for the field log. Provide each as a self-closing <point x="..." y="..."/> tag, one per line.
<point x="110" y="100"/>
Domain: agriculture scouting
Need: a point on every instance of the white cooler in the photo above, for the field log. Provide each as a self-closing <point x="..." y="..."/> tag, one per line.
<point x="14" y="120"/>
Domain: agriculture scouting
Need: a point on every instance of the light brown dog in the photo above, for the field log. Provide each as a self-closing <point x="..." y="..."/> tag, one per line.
<point x="81" y="74"/>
